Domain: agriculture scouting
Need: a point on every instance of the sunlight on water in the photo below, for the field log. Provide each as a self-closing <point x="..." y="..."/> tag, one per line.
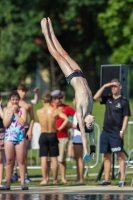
<point x="65" y="197"/>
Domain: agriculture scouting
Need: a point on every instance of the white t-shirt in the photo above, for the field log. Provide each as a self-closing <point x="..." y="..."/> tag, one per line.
<point x="76" y="135"/>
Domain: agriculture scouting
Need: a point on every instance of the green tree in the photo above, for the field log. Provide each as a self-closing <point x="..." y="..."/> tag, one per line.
<point x="17" y="46"/>
<point x="81" y="36"/>
<point x="23" y="45"/>
<point x="117" y="23"/>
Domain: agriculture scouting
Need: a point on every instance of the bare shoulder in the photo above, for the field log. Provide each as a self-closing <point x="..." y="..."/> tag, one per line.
<point x="23" y="109"/>
<point x="57" y="111"/>
<point x="5" y="109"/>
<point x="39" y="110"/>
<point x="28" y="103"/>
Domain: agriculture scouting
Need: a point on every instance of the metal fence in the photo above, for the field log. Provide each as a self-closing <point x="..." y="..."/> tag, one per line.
<point x="34" y="161"/>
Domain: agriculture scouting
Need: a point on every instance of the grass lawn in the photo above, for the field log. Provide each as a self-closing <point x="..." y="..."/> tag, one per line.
<point x="71" y="182"/>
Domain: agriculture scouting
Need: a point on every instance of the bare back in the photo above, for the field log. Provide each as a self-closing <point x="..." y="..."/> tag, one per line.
<point x="47" y="118"/>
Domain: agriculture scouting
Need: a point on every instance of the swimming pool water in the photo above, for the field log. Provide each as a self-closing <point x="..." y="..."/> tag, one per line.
<point x="66" y="196"/>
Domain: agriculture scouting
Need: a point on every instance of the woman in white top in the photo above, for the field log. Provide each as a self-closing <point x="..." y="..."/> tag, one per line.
<point x="78" y="149"/>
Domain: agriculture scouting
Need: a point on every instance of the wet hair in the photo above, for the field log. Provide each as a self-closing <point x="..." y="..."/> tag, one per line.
<point x="115" y="80"/>
<point x="46" y="97"/>
<point x="23" y="87"/>
<point x="14" y="94"/>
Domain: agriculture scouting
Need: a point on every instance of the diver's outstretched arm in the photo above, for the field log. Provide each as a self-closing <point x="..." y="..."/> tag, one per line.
<point x="82" y="130"/>
<point x="60" y="49"/>
<point x="64" y="65"/>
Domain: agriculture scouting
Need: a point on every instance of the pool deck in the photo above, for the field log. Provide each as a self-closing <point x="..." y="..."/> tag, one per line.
<point x="71" y="190"/>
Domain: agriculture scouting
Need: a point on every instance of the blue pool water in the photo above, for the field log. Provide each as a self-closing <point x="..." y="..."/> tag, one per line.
<point x="66" y="196"/>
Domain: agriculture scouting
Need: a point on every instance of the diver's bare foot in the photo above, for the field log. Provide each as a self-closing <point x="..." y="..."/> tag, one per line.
<point x="50" y="25"/>
<point x="43" y="182"/>
<point x="44" y="25"/>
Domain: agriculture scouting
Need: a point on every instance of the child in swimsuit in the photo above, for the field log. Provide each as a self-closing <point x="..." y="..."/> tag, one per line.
<point x="15" y="132"/>
<point x="14" y="121"/>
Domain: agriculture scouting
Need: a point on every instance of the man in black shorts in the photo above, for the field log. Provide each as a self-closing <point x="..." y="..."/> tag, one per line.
<point x="115" y="122"/>
<point x="48" y="139"/>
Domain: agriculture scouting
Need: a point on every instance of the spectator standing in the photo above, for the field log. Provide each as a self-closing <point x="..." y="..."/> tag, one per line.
<point x="48" y="139"/>
<point x="57" y="102"/>
<point x="115" y="122"/>
<point x="78" y="148"/>
<point x="14" y="120"/>
<point x="22" y="90"/>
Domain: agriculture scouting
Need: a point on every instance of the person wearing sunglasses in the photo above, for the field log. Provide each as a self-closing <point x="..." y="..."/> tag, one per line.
<point x="115" y="122"/>
<point x="75" y="77"/>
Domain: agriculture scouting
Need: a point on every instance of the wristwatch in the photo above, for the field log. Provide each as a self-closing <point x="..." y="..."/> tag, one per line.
<point x="122" y="132"/>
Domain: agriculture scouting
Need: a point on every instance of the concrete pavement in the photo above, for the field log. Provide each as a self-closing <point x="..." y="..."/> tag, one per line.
<point x="71" y="190"/>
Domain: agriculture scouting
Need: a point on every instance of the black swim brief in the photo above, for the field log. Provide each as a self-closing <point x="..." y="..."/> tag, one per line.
<point x="76" y="73"/>
<point x="48" y="145"/>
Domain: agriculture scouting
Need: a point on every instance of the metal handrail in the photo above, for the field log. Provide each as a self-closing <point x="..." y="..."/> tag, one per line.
<point x="97" y="154"/>
<point x="86" y="167"/>
<point x="126" y="168"/>
<point x="128" y="144"/>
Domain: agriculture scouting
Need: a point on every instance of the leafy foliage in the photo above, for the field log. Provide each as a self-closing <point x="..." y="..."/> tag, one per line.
<point x="117" y="23"/>
<point x="23" y="45"/>
<point x="17" y="45"/>
<point x="76" y="24"/>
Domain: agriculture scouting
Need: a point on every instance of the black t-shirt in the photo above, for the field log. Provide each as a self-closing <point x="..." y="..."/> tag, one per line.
<point x="116" y="110"/>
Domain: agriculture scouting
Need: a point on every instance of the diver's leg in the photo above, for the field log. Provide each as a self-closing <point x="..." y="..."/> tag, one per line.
<point x="60" y="49"/>
<point x="64" y="65"/>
